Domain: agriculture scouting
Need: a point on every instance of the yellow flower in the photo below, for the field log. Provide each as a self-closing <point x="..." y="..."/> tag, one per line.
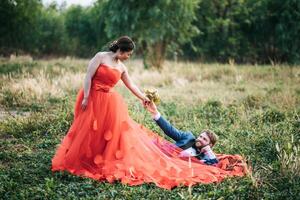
<point x="153" y="95"/>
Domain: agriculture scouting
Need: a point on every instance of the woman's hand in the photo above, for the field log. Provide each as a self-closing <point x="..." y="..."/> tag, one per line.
<point x="146" y="101"/>
<point x="84" y="103"/>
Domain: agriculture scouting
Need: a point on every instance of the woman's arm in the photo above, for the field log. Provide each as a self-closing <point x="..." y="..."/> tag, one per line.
<point x="91" y="69"/>
<point x="132" y="87"/>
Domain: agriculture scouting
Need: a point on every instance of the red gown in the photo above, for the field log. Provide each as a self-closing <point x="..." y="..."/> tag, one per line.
<point x="104" y="143"/>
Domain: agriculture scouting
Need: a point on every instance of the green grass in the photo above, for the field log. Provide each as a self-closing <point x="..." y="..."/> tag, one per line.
<point x="254" y="109"/>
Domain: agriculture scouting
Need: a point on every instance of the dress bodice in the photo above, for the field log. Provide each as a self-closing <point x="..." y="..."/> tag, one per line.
<point x="105" y="78"/>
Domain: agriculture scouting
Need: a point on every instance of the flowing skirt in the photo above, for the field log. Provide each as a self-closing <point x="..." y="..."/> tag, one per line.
<point x="104" y="143"/>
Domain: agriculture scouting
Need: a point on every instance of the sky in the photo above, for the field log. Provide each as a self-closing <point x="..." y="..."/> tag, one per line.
<point x="70" y="2"/>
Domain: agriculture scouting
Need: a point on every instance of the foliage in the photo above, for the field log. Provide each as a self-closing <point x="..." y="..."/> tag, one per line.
<point x="273" y="31"/>
<point x="85" y="30"/>
<point x="221" y="24"/>
<point x="247" y="31"/>
<point x="52" y="38"/>
<point x="156" y="25"/>
<point x="18" y="29"/>
<point x="230" y="31"/>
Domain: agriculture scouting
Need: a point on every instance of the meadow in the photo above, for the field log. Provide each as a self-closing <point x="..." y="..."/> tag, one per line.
<point x="254" y="109"/>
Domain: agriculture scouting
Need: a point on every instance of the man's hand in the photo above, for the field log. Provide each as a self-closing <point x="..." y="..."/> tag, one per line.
<point x="151" y="107"/>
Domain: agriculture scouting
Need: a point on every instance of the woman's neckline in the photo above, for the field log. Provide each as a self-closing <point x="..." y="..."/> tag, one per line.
<point x="114" y="68"/>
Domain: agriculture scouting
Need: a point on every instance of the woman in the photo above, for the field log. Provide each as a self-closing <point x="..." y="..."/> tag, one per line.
<point x="104" y="143"/>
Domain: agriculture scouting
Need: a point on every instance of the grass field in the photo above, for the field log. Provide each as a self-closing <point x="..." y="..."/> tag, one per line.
<point x="255" y="110"/>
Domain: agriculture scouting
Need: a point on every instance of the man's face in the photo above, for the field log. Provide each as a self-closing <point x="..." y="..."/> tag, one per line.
<point x="202" y="140"/>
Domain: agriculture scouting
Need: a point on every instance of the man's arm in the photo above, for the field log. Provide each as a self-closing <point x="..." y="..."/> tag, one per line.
<point x="211" y="161"/>
<point x="208" y="156"/>
<point x="164" y="124"/>
<point x="170" y="130"/>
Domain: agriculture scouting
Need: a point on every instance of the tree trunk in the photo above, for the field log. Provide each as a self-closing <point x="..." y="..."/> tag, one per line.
<point x="154" y="55"/>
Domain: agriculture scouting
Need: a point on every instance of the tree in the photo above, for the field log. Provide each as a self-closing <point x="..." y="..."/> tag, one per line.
<point x="85" y="28"/>
<point x="221" y="23"/>
<point x="247" y="31"/>
<point x="157" y="26"/>
<point x="18" y="28"/>
<point x="275" y="29"/>
<point x="52" y="37"/>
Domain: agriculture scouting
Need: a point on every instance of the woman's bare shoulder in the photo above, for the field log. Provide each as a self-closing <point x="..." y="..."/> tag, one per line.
<point x="123" y="67"/>
<point x="101" y="54"/>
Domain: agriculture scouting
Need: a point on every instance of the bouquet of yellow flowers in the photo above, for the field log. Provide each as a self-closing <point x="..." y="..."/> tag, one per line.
<point x="153" y="95"/>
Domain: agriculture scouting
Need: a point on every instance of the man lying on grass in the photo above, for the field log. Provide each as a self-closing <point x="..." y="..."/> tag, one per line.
<point x="200" y="147"/>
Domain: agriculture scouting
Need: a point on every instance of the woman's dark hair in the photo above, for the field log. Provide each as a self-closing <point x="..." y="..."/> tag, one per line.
<point x="123" y="43"/>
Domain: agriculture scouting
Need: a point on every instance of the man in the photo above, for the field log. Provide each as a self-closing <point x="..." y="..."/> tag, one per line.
<point x="199" y="147"/>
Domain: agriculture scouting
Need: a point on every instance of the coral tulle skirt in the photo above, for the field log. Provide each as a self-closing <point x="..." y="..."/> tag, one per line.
<point x="104" y="143"/>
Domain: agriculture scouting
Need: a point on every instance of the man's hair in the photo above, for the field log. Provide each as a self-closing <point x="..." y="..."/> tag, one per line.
<point x="212" y="136"/>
